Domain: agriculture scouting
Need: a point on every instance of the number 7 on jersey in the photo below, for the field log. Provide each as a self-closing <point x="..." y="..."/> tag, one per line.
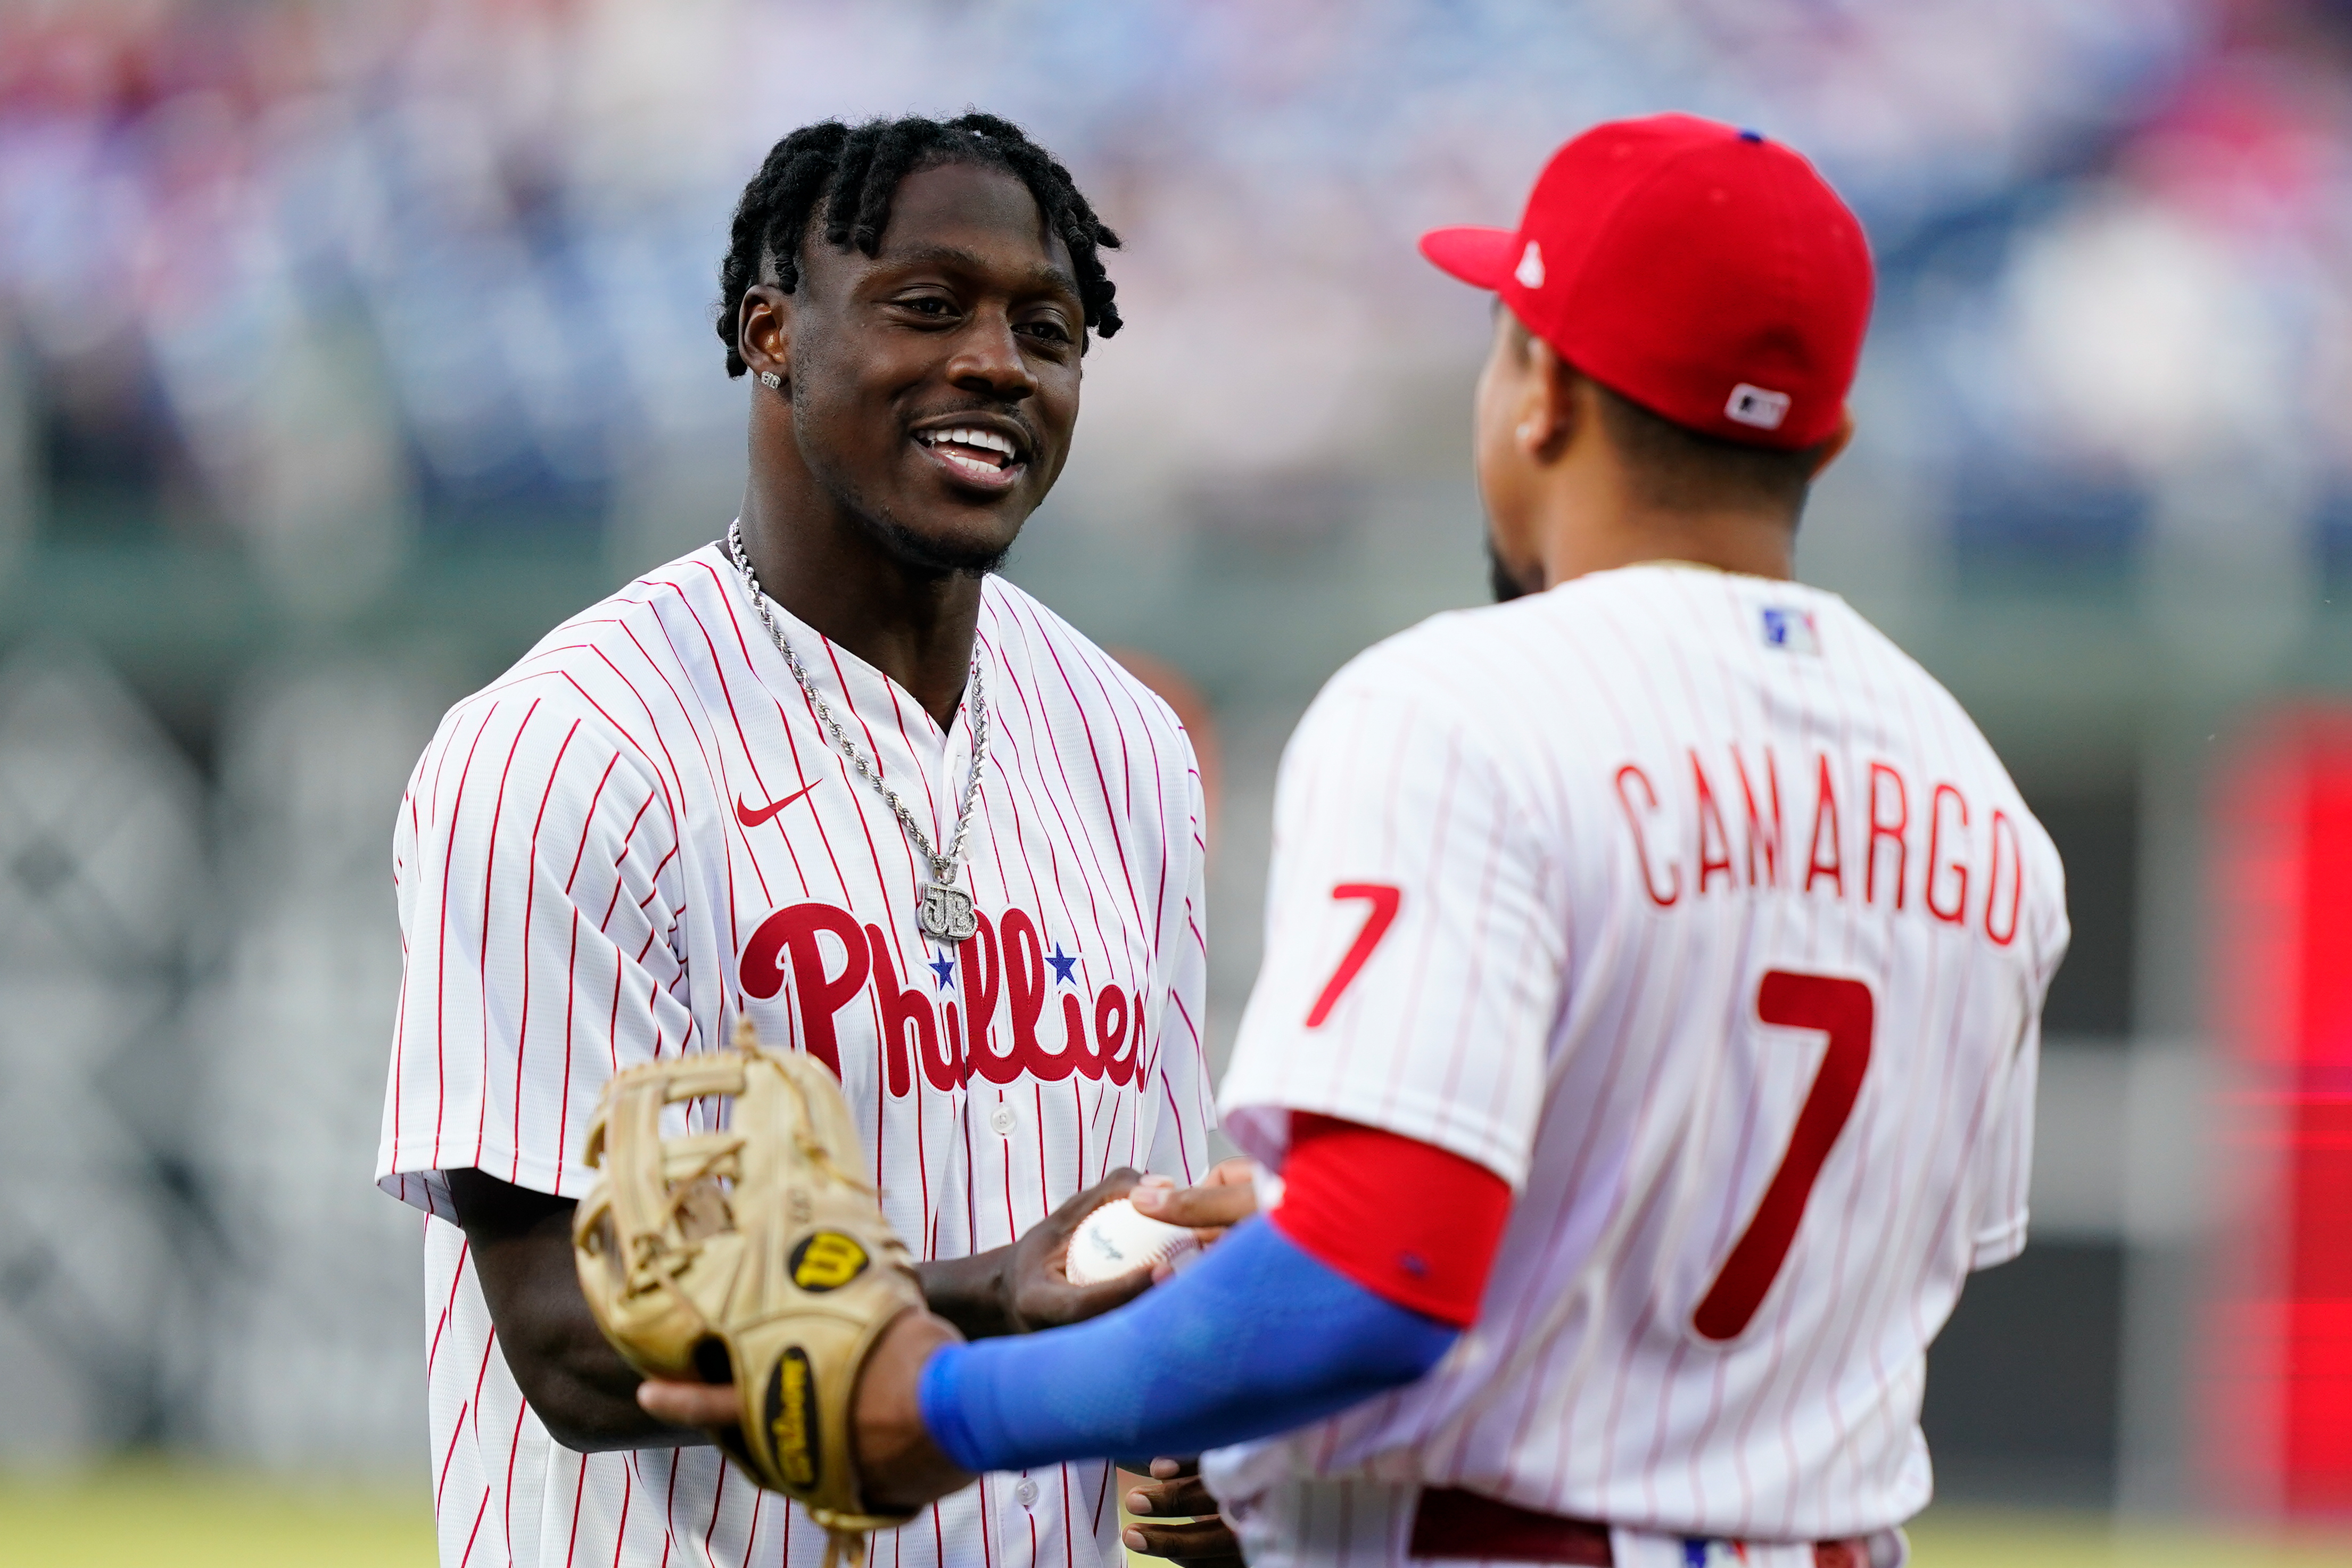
<point x="1384" y="899"/>
<point x="1844" y="1011"/>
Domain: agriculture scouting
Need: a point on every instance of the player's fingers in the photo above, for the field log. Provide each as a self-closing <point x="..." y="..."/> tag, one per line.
<point x="1201" y="1208"/>
<point x="1065" y="1219"/>
<point x="702" y="1404"/>
<point x="1240" y="1171"/>
<point x="1205" y="1542"/>
<point x="1076" y="1303"/>
<point x="1168" y="1469"/>
<point x="1182" y="1498"/>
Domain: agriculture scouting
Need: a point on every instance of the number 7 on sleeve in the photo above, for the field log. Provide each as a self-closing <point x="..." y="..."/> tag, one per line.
<point x="1384" y="899"/>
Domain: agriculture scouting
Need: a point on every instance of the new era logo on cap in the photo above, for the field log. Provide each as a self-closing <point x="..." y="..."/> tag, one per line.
<point x="1757" y="405"/>
<point x="1531" y="268"/>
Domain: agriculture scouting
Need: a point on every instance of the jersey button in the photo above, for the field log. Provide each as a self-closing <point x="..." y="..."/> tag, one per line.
<point x="1001" y="1120"/>
<point x="1026" y="1492"/>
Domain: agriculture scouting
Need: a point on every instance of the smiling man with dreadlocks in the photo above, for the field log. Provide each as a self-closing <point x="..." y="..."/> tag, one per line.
<point x="829" y="774"/>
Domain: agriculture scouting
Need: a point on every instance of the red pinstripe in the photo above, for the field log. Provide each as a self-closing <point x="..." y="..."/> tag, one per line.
<point x="571" y="995"/>
<point x="449" y="1453"/>
<point x="478" y="1513"/>
<point x="627" y="838"/>
<point x="489" y="878"/>
<point x="652" y="723"/>
<point x="580" y="1493"/>
<point x="529" y="899"/>
<point x="448" y="1307"/>
<point x="1045" y="1192"/>
<point x="1094" y="755"/>
<point x="669" y="1512"/>
<point x="1041" y="791"/>
<point x="751" y="1535"/>
<point x="514" y="1447"/>
<point x="718" y="1497"/>
<point x="620" y="1530"/>
<point x="441" y="989"/>
<point x="743" y="742"/>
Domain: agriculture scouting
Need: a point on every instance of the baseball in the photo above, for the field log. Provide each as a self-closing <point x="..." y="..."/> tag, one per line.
<point x="1116" y="1240"/>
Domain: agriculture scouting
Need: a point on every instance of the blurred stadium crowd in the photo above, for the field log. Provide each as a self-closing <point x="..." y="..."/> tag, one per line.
<point x="345" y="270"/>
<point x="339" y="345"/>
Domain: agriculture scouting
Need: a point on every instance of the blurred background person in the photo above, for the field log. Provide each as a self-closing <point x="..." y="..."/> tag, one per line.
<point x="344" y="349"/>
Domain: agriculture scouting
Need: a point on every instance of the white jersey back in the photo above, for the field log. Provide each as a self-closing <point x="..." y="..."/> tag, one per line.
<point x="641" y="832"/>
<point x="1691" y="906"/>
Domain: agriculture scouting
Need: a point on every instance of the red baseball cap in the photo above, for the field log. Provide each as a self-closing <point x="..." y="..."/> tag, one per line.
<point x="1704" y="272"/>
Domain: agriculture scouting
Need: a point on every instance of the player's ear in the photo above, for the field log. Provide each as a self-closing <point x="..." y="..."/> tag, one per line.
<point x="763" y="330"/>
<point x="1551" y="410"/>
<point x="1827" y="452"/>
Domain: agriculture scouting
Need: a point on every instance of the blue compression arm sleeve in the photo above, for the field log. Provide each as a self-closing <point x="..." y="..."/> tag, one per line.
<point x="1257" y="1338"/>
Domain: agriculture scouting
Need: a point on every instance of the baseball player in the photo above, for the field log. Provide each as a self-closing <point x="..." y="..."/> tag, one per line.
<point x="830" y="773"/>
<point x="1647" y="1031"/>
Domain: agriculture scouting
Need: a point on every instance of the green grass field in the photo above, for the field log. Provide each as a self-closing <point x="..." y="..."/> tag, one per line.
<point x="187" y="1516"/>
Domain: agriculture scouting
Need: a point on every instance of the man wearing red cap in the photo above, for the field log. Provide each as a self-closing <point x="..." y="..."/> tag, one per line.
<point x="1647" y="1030"/>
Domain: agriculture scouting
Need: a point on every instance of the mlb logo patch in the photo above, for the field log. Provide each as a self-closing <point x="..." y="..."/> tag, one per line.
<point x="1792" y="630"/>
<point x="1758" y="406"/>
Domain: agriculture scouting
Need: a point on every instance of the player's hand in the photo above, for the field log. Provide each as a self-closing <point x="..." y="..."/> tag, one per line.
<point x="898" y="1465"/>
<point x="710" y="1405"/>
<point x="1033" y="1282"/>
<point x="1225" y="1196"/>
<point x="1163" y="1504"/>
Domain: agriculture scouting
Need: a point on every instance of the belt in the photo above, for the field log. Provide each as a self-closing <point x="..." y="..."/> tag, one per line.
<point x="1451" y="1522"/>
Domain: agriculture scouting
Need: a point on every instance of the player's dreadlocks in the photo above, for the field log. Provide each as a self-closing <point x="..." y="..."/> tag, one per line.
<point x="850" y="175"/>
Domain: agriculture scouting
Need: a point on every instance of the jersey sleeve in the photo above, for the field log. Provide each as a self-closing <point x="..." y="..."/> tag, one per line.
<point x="1413" y="966"/>
<point x="1411" y="1223"/>
<point x="2006" y="1171"/>
<point x="536" y="864"/>
<point x="1184" y="1109"/>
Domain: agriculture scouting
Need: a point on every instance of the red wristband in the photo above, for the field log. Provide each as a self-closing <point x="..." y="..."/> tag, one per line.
<point x="1408" y="1221"/>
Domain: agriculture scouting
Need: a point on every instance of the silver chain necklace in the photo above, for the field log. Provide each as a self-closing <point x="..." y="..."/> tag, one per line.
<point x="946" y="913"/>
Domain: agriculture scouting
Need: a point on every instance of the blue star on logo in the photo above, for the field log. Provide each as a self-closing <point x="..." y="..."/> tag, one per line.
<point x="1063" y="964"/>
<point x="944" y="967"/>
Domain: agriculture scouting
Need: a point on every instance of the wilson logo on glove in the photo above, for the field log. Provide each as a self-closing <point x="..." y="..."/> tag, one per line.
<point x="827" y="1261"/>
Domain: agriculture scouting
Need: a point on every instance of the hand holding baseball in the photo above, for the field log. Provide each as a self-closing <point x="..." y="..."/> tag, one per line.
<point x="1225" y="1196"/>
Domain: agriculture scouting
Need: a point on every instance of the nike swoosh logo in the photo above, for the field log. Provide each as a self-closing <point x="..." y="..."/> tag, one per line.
<point x="750" y="818"/>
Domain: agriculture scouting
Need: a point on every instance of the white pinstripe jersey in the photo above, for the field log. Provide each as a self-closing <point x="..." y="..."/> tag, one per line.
<point x="1691" y="906"/>
<point x="640" y="831"/>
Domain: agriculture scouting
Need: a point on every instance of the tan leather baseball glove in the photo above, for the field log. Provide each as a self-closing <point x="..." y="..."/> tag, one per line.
<point x="755" y="1253"/>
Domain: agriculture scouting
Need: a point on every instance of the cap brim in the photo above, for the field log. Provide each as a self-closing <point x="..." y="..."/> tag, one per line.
<point x="1482" y="257"/>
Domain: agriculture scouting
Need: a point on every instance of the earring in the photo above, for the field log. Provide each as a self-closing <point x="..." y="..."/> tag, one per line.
<point x="1527" y="432"/>
<point x="770" y="380"/>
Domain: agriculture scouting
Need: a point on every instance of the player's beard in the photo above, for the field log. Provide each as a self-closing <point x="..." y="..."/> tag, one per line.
<point x="1507" y="585"/>
<point x="924" y="553"/>
<point x="910" y="549"/>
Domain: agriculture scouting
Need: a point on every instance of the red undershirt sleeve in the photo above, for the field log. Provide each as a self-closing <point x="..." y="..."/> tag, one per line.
<point x="1410" y="1222"/>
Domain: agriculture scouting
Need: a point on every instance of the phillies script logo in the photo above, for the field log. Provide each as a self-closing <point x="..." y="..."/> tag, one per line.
<point x="995" y="1027"/>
